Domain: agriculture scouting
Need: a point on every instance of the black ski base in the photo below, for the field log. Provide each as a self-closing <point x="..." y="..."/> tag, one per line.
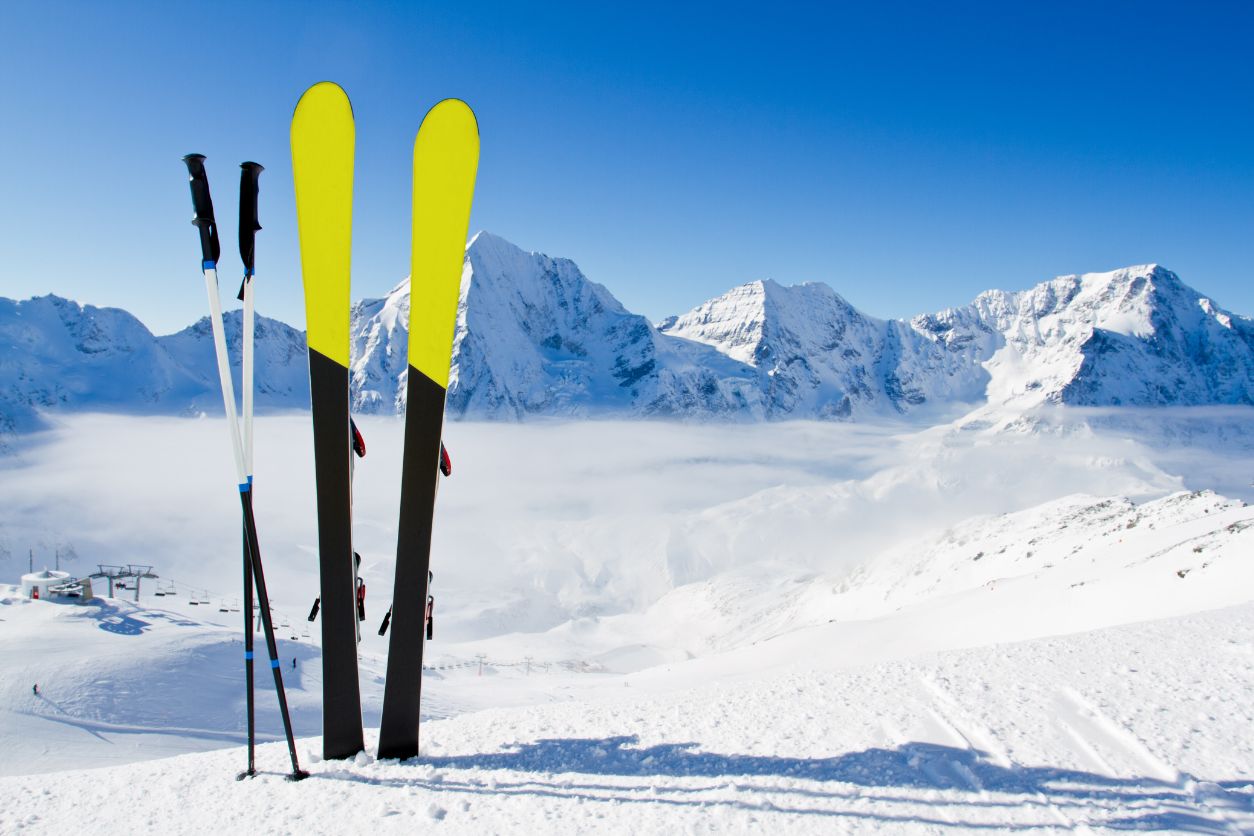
<point x="402" y="692"/>
<point x="341" y="693"/>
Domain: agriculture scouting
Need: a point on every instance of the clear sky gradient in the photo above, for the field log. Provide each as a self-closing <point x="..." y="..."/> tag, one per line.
<point x="909" y="155"/>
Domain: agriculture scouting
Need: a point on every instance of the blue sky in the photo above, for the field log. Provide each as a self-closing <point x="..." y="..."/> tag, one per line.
<point x="909" y="155"/>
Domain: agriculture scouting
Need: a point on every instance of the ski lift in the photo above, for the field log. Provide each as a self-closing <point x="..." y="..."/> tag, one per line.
<point x="234" y="605"/>
<point x="305" y="633"/>
<point x="222" y="606"/>
<point x="173" y="591"/>
<point x="204" y="599"/>
<point x="160" y="593"/>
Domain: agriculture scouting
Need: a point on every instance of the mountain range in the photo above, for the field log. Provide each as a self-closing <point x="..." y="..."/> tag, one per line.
<point x="535" y="337"/>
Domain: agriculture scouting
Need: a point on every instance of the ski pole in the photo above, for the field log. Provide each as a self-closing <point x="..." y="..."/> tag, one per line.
<point x="248" y="226"/>
<point x="210" y="250"/>
<point x="250" y="172"/>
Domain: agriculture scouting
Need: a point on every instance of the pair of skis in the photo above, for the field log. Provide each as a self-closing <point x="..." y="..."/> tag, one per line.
<point x="242" y="448"/>
<point x="446" y="153"/>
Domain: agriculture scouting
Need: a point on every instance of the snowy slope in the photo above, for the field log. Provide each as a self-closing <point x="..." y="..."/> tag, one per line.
<point x="1134" y="727"/>
<point x="904" y="605"/>
<point x="121" y="682"/>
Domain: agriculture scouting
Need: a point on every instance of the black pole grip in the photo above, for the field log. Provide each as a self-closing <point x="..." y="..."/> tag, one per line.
<point x="203" y="205"/>
<point x="250" y="173"/>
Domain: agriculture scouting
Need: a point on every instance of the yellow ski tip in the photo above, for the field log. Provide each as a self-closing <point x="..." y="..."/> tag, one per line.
<point x="325" y="97"/>
<point x="451" y="115"/>
<point x="446" y="158"/>
<point x="323" y="142"/>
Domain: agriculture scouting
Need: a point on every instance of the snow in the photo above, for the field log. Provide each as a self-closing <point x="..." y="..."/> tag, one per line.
<point x="1021" y="618"/>
<point x="535" y="337"/>
<point x="1128" y="728"/>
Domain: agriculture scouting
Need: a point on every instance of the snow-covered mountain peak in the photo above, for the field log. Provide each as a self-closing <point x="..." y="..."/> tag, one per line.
<point x="535" y="336"/>
<point x="758" y="322"/>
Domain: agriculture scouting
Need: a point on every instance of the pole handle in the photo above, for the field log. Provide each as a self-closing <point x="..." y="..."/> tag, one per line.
<point x="249" y="175"/>
<point x="202" y="203"/>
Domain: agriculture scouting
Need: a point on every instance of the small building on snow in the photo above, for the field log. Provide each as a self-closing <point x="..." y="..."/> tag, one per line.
<point x="43" y="581"/>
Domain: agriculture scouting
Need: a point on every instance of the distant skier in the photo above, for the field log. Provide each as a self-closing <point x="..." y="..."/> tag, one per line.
<point x="34" y="689"/>
<point x="293" y="663"/>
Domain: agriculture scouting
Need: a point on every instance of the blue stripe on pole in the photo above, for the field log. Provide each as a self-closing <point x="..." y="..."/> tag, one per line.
<point x="274" y="663"/>
<point x="209" y="265"/>
<point x="248" y="272"/>
<point x="244" y="487"/>
<point x="248" y="655"/>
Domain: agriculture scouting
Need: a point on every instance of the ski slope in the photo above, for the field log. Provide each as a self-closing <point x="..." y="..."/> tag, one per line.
<point x="1136" y="727"/>
<point x="1014" y="621"/>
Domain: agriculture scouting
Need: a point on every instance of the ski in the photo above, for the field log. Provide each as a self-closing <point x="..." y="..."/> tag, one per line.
<point x="323" y="139"/>
<point x="446" y="155"/>
<point x="210" y="250"/>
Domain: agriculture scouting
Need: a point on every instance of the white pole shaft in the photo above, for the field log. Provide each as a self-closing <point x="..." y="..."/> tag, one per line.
<point x="247" y="377"/>
<point x="224" y="374"/>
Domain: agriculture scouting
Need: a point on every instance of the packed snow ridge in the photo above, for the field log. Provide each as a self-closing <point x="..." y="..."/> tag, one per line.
<point x="536" y="337"/>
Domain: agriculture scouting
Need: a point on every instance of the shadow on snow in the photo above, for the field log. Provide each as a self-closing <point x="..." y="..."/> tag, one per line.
<point x="1135" y="803"/>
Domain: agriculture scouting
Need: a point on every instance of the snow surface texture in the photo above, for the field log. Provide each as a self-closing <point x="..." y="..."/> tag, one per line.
<point x="535" y="337"/>
<point x="1142" y="727"/>
<point x="802" y="625"/>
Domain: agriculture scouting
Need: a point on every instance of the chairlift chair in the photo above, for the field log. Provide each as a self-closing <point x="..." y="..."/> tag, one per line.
<point x="222" y="606"/>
